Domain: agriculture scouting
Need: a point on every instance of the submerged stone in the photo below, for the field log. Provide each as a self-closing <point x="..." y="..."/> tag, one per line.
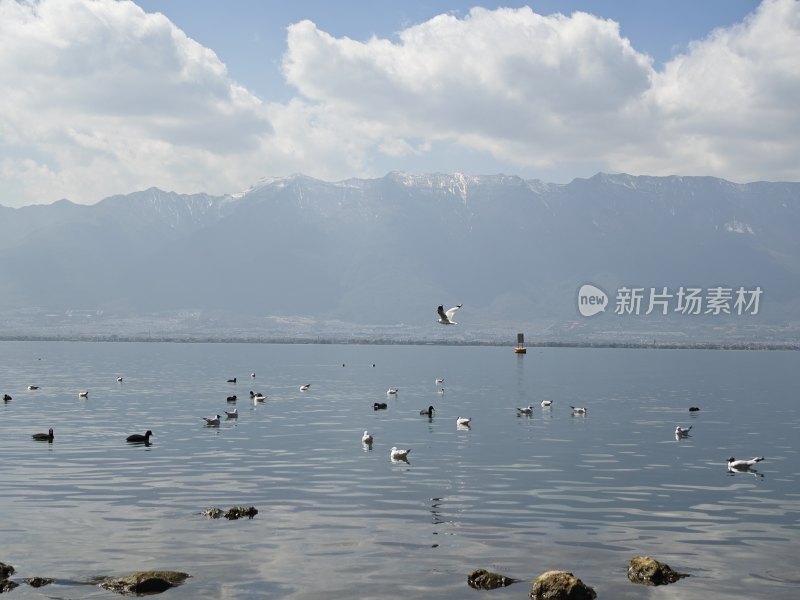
<point x="481" y="579"/>
<point x="38" y="582"/>
<point x="6" y="571"/>
<point x="649" y="571"/>
<point x="237" y="512"/>
<point x="560" y="585"/>
<point x="144" y="582"/>
<point x="6" y="585"/>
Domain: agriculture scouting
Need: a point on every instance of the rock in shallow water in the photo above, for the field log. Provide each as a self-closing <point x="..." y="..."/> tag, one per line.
<point x="481" y="579"/>
<point x="144" y="582"/>
<point x="560" y="585"/>
<point x="649" y="571"/>
<point x="38" y="582"/>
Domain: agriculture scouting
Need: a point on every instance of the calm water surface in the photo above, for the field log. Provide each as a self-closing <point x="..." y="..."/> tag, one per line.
<point x="517" y="495"/>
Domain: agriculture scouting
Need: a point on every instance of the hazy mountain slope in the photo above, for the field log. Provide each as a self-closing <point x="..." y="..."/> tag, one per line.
<point x="387" y="250"/>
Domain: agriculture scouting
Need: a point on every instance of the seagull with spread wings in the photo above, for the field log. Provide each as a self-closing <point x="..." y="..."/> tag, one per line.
<point x="446" y="316"/>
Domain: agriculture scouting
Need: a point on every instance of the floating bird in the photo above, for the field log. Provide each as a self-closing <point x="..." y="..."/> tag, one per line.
<point x="446" y="317"/>
<point x="232" y="414"/>
<point x="83" y="394"/>
<point x="119" y="379"/>
<point x="212" y="421"/>
<point x="256" y="395"/>
<point x="304" y="387"/>
<point x="439" y="381"/>
<point x="441" y="391"/>
<point x="367" y="438"/>
<point x="694" y="409"/>
<point x="379" y="406"/>
<point x="392" y="391"/>
<point x="578" y="410"/>
<point x="743" y="465"/>
<point x="33" y="387"/>
<point x="428" y="412"/>
<point x="6" y="398"/>
<point x="252" y="375"/>
<point x="547" y="403"/>
<point x="231" y="398"/>
<point x="138" y="438"/>
<point x="463" y="421"/>
<point x="399" y="454"/>
<point x="44" y="437"/>
<point x="682" y="431"/>
<point x="525" y="411"/>
<point x="232" y="380"/>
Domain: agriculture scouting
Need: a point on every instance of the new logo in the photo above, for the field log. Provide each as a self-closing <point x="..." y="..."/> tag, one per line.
<point x="591" y="300"/>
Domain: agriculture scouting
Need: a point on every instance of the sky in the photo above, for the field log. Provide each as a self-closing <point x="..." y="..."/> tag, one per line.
<point x="104" y="97"/>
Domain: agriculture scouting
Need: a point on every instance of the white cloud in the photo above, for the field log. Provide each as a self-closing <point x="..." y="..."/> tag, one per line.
<point x="547" y="92"/>
<point x="524" y="87"/>
<point x="101" y="98"/>
<point x="728" y="107"/>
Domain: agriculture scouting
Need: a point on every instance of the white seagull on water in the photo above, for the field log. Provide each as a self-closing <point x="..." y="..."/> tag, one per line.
<point x="232" y="414"/>
<point x="399" y="454"/>
<point x="682" y="431"/>
<point x="212" y="421"/>
<point x="743" y="465"/>
<point x="525" y="411"/>
<point x="578" y="410"/>
<point x="392" y="391"/>
<point x="304" y="387"/>
<point x="547" y="403"/>
<point x="463" y="421"/>
<point x="367" y="438"/>
<point x="446" y="316"/>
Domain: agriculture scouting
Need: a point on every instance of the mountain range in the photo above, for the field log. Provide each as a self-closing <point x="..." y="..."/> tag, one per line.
<point x="298" y="254"/>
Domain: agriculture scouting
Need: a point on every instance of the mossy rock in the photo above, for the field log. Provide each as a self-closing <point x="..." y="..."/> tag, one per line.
<point x="144" y="582"/>
<point x="6" y="571"/>
<point x="38" y="582"/>
<point x="649" y="571"/>
<point x="213" y="513"/>
<point x="481" y="579"/>
<point x="560" y="585"/>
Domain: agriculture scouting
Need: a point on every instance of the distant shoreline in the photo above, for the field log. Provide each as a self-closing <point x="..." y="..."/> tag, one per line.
<point x="384" y="341"/>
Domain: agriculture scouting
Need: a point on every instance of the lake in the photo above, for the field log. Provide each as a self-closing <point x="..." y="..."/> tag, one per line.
<point x="518" y="495"/>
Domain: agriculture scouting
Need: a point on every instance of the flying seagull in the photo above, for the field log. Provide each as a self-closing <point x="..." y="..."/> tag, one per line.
<point x="446" y="317"/>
